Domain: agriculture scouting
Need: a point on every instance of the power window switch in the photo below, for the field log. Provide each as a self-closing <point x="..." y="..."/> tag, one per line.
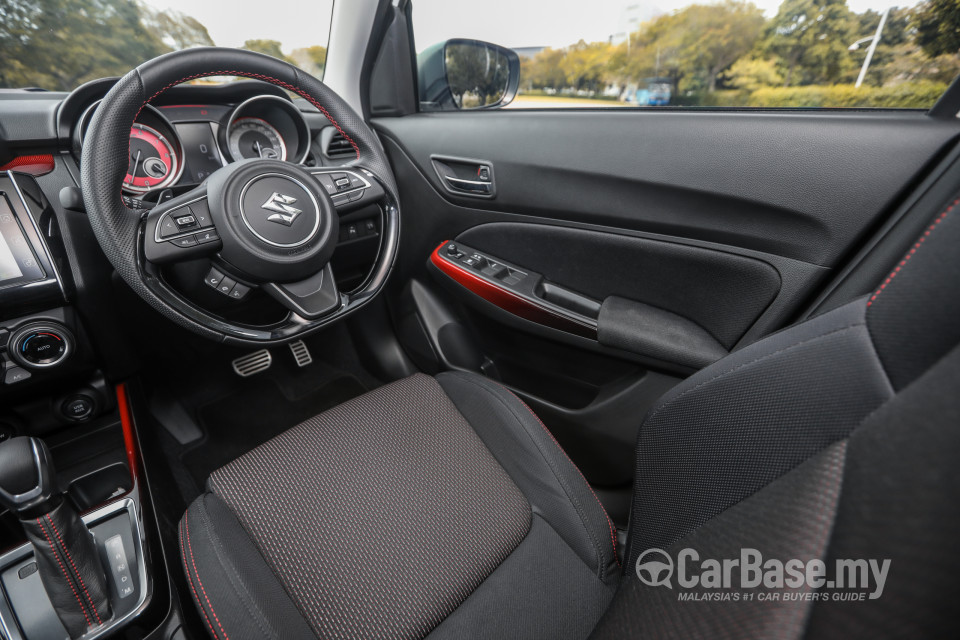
<point x="493" y="270"/>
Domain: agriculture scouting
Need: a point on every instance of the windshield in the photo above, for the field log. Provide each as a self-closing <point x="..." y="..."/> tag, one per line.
<point x="60" y="44"/>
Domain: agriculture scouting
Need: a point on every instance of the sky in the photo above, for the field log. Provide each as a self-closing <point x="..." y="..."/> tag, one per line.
<point x="512" y="23"/>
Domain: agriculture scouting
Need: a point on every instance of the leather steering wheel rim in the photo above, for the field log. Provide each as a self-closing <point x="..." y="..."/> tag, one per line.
<point x="119" y="229"/>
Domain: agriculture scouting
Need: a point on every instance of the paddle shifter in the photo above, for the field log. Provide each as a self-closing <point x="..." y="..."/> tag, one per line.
<point x="67" y="558"/>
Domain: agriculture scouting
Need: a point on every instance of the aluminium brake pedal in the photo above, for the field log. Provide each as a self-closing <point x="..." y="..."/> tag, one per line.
<point x="300" y="353"/>
<point x="246" y="366"/>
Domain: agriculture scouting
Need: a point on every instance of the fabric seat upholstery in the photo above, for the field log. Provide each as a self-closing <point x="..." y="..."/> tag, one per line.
<point x="443" y="508"/>
<point x="426" y="501"/>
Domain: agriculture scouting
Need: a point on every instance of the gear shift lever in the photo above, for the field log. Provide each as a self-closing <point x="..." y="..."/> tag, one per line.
<point x="67" y="558"/>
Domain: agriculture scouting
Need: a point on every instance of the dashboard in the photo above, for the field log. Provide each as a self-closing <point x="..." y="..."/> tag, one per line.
<point x="182" y="144"/>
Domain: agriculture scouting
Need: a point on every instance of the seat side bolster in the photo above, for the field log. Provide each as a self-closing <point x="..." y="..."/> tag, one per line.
<point x="236" y="593"/>
<point x="553" y="485"/>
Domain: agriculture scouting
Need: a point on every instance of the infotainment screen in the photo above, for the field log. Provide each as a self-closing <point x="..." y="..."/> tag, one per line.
<point x="18" y="263"/>
<point x="8" y="264"/>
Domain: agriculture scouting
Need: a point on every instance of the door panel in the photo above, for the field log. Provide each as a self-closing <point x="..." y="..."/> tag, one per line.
<point x="673" y="237"/>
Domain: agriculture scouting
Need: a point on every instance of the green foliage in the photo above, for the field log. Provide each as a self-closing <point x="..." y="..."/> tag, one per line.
<point x="918" y="95"/>
<point x="811" y="38"/>
<point x="268" y="47"/>
<point x="310" y="59"/>
<point x="722" y="54"/>
<point x="59" y="44"/>
<point x="750" y="74"/>
<point x="175" y="29"/>
<point x="938" y="27"/>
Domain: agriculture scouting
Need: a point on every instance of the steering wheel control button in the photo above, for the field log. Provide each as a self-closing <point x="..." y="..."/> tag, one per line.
<point x="326" y="179"/>
<point x="184" y="242"/>
<point x="213" y="278"/>
<point x="280" y="210"/>
<point x="186" y="222"/>
<point x="168" y="227"/>
<point x="226" y="285"/>
<point x="15" y="375"/>
<point x="41" y="345"/>
<point x="201" y="211"/>
<point x="77" y="407"/>
<point x="239" y="291"/>
<point x="206" y="236"/>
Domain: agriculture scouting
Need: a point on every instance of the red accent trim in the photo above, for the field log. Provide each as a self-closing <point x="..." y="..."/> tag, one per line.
<point x="507" y="300"/>
<point x="186" y="568"/>
<point x="64" y="571"/>
<point x="129" y="431"/>
<point x="76" y="571"/>
<point x="613" y="537"/>
<point x="913" y="250"/>
<point x="33" y="165"/>
<point x="186" y="526"/>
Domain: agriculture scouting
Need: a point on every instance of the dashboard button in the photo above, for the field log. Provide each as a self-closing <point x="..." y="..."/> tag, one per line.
<point x="78" y="407"/>
<point x="185" y="241"/>
<point x="15" y="375"/>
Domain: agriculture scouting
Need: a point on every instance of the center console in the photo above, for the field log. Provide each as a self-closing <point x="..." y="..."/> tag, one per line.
<point x="53" y="392"/>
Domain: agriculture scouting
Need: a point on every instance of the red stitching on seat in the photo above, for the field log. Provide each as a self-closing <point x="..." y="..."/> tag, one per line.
<point x="613" y="537"/>
<point x="183" y="555"/>
<point x="186" y="526"/>
<point x="913" y="250"/>
<point x="64" y="570"/>
<point x="75" y="570"/>
<point x="280" y="83"/>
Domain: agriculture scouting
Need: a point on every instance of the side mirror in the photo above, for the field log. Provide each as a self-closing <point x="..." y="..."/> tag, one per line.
<point x="467" y="74"/>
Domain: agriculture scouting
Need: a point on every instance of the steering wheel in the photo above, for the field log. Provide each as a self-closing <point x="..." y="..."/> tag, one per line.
<point x="271" y="224"/>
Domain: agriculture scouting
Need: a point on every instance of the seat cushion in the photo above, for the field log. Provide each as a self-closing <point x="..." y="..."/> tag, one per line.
<point x="380" y="517"/>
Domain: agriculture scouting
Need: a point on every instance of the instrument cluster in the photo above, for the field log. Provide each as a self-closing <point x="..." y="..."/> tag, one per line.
<point x="202" y="140"/>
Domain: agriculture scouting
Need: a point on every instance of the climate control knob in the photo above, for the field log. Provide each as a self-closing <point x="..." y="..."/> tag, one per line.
<point x="41" y="345"/>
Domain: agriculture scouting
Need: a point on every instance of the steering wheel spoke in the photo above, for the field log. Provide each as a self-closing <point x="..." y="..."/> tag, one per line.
<point x="311" y="298"/>
<point x="181" y="229"/>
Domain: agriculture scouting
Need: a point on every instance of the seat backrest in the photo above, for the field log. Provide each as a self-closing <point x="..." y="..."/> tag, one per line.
<point x="828" y="447"/>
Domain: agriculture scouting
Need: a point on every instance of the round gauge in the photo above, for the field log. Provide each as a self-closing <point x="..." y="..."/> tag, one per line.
<point x="153" y="160"/>
<point x="255" y="138"/>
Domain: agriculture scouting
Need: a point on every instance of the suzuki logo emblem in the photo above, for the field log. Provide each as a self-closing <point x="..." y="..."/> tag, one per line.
<point x="285" y="214"/>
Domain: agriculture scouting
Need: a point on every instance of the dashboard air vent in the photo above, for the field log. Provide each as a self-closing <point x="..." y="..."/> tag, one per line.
<point x="339" y="147"/>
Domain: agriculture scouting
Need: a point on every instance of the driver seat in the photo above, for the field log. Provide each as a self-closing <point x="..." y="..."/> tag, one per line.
<point x="443" y="508"/>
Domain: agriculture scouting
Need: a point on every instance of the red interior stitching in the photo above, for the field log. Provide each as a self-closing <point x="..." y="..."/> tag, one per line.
<point x="281" y="83"/>
<point x="186" y="526"/>
<point x="64" y="571"/>
<point x="183" y="554"/>
<point x="613" y="537"/>
<point x="75" y="570"/>
<point x="913" y="250"/>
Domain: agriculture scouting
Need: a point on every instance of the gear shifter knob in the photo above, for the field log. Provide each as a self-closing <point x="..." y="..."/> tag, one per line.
<point x="27" y="478"/>
<point x="67" y="558"/>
